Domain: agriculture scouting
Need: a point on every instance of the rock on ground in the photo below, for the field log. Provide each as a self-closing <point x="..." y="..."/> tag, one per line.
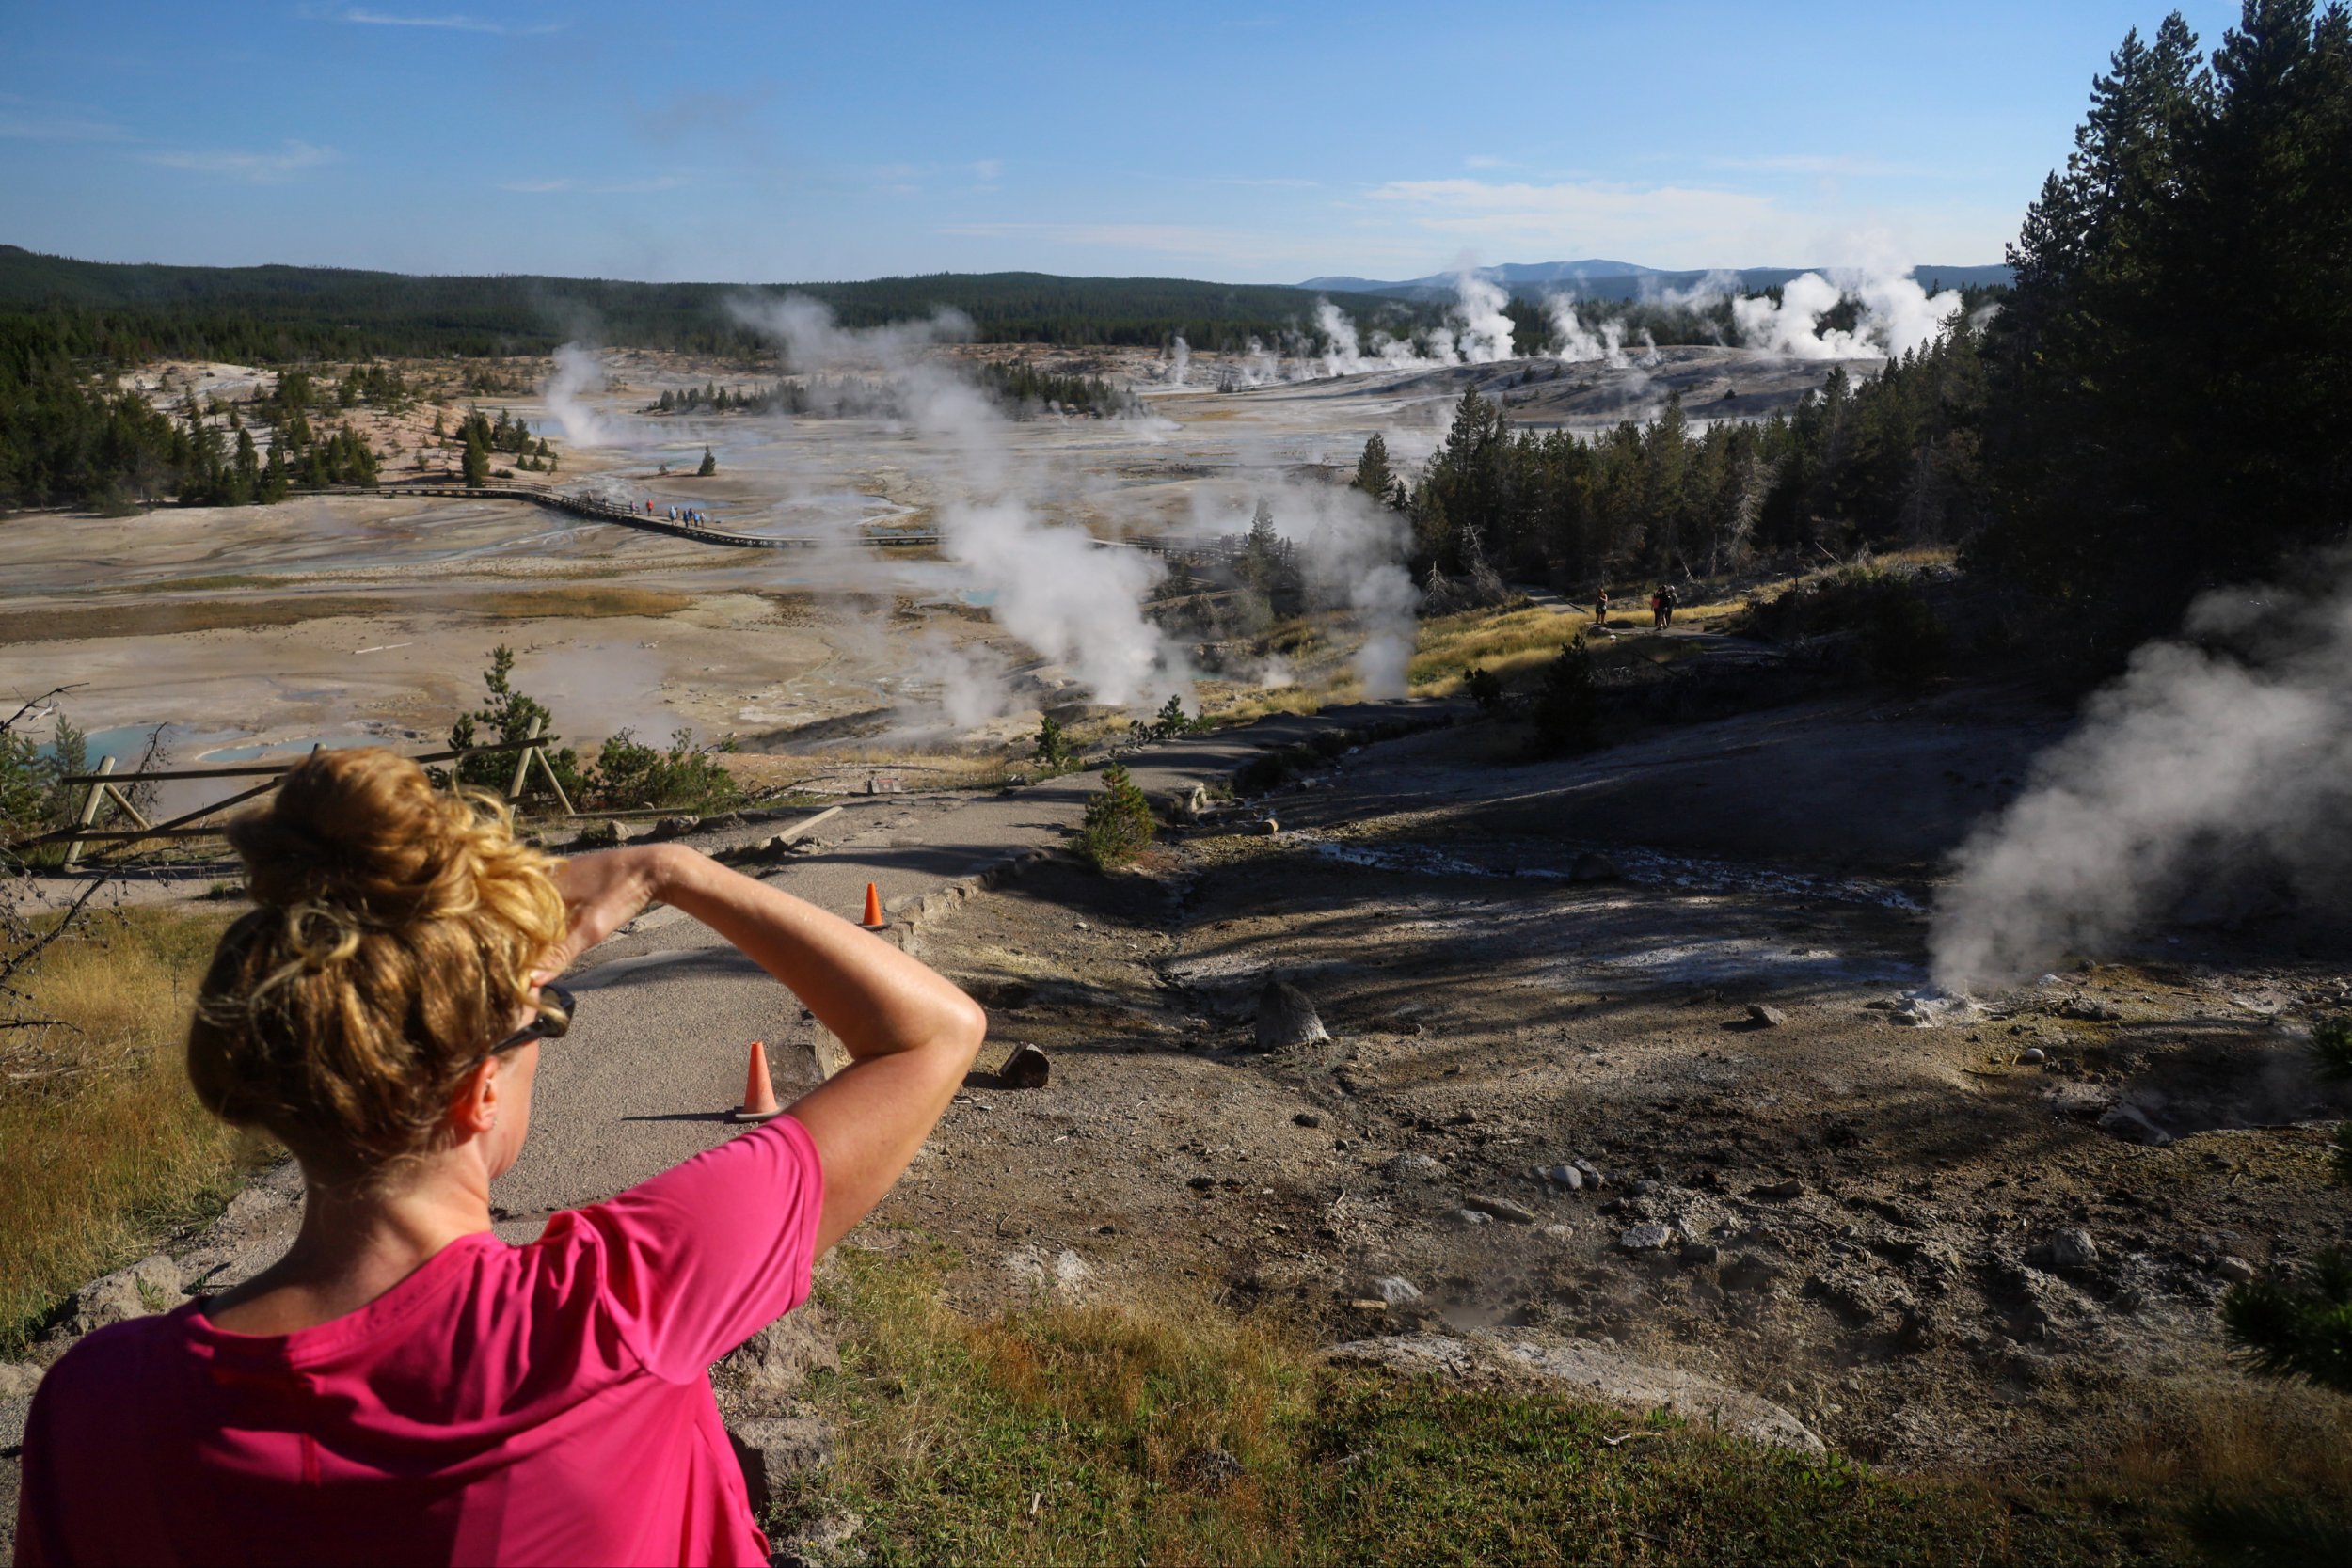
<point x="771" y="1449"/>
<point x="1026" y="1068"/>
<point x="1597" y="1372"/>
<point x="1287" y="1018"/>
<point x="150" y="1285"/>
<point x="770" y="1365"/>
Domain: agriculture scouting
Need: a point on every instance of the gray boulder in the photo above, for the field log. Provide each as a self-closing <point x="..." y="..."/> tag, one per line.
<point x="770" y="1451"/>
<point x="770" y="1365"/>
<point x="1412" y="1167"/>
<point x="1185" y="803"/>
<point x="2069" y="1249"/>
<point x="148" y="1286"/>
<point x="1500" y="1208"/>
<point x="1286" y="1018"/>
<point x="1650" y="1236"/>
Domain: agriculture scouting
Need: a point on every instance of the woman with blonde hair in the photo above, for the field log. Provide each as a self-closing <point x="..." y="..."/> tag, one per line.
<point x="403" y="1386"/>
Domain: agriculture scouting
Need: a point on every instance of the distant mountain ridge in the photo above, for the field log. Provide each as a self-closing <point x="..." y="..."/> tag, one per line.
<point x="1597" y="278"/>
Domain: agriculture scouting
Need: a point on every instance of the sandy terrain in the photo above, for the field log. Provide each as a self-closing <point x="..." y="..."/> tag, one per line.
<point x="1858" y="1220"/>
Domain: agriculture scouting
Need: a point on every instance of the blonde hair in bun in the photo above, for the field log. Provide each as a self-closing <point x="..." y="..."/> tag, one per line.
<point x="397" y="928"/>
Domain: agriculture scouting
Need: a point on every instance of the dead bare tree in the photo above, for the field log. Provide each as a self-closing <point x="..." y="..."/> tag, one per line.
<point x="22" y="938"/>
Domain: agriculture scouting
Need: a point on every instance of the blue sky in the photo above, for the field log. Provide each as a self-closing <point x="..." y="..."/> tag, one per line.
<point x="1249" y="142"/>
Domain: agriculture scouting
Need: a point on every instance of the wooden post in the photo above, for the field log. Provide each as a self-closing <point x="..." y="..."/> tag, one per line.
<point x="123" y="803"/>
<point x="90" y="811"/>
<point x="547" y="770"/>
<point x="522" y="768"/>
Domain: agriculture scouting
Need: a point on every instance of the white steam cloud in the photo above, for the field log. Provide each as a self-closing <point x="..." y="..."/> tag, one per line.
<point x="1898" y="316"/>
<point x="1485" y="332"/>
<point x="579" y="371"/>
<point x="2225" y="759"/>
<point x="1075" y="601"/>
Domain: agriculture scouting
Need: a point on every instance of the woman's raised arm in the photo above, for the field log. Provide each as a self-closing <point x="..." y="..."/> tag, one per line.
<point x="911" y="1034"/>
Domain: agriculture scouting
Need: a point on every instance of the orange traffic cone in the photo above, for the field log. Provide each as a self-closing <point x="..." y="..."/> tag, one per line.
<point x="759" y="1095"/>
<point x="873" y="921"/>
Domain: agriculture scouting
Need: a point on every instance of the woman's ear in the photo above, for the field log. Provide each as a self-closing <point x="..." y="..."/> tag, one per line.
<point x="473" y="1105"/>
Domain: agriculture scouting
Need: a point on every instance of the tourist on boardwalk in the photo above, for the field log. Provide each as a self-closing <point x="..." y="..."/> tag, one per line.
<point x="403" y="1386"/>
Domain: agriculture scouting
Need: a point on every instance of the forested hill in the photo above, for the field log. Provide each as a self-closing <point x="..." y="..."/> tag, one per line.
<point x="280" y="313"/>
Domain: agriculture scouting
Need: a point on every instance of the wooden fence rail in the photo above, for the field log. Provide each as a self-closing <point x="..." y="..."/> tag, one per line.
<point x="106" y="785"/>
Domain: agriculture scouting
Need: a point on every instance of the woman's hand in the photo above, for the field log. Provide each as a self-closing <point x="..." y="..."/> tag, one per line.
<point x="605" y="892"/>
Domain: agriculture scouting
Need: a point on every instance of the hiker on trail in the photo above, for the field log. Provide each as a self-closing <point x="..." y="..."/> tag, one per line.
<point x="1600" y="608"/>
<point x="1670" y="600"/>
<point x="1657" y="607"/>
<point x="405" y="1386"/>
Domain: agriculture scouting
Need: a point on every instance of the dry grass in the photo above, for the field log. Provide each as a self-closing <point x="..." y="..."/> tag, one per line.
<point x="62" y="623"/>
<point x="102" y="1146"/>
<point x="1170" y="1430"/>
<point x="2239" y="1440"/>
<point x="245" y="612"/>
<point x="580" y="601"/>
<point x="1509" y="642"/>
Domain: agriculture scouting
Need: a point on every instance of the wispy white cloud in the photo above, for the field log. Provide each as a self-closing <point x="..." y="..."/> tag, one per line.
<point x="1480" y="160"/>
<point x="1164" y="238"/>
<point x="260" y="169"/>
<point x="1804" y="163"/>
<point x="24" y="119"/>
<point x="594" y="187"/>
<point x="1670" y="224"/>
<point x="454" y="22"/>
<point x="1590" y="216"/>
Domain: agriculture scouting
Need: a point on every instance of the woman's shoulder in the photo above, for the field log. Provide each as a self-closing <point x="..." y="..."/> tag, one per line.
<point x="112" y="1363"/>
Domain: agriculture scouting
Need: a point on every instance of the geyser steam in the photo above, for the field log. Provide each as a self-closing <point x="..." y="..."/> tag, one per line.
<point x="1898" y="316"/>
<point x="2227" y="757"/>
<point x="1053" y="587"/>
<point x="579" y="370"/>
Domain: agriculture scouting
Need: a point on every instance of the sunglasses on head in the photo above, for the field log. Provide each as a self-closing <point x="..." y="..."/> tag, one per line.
<point x="543" y="1027"/>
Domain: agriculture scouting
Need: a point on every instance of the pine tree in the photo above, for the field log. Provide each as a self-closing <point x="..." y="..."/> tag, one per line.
<point x="1119" y="821"/>
<point x="477" y="464"/>
<point x="274" y="480"/>
<point x="1373" y="474"/>
<point x="1053" y="745"/>
<point x="709" y="463"/>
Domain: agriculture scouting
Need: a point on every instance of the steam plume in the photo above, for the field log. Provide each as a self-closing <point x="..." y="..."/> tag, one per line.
<point x="1898" y="316"/>
<point x="579" y="370"/>
<point x="1053" y="587"/>
<point x="2228" y="756"/>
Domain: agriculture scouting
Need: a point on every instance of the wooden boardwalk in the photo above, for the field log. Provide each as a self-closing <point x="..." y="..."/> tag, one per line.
<point x="599" y="511"/>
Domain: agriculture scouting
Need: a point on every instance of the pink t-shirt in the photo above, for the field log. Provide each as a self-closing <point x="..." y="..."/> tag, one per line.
<point x="541" y="1404"/>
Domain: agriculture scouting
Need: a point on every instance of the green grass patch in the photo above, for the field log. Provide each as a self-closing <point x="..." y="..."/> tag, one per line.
<point x="1184" y="1434"/>
<point x="103" y="1150"/>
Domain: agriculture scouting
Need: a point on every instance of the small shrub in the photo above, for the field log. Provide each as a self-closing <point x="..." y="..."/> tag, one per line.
<point x="1894" y="626"/>
<point x="630" y="776"/>
<point x="1170" y="721"/>
<point x="1486" y="690"/>
<point x="1119" y="822"/>
<point x="1567" y="704"/>
<point x="1052" y="744"/>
